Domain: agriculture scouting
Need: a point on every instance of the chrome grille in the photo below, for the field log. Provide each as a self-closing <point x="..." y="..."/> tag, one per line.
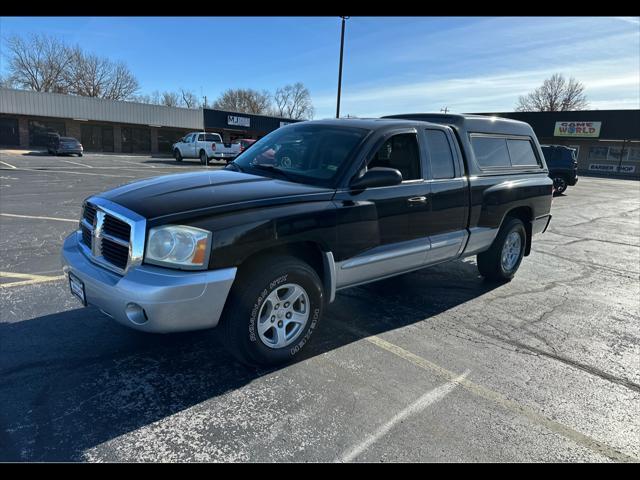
<point x="111" y="235"/>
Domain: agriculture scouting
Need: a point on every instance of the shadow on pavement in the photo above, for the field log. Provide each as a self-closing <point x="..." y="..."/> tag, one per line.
<point x="73" y="380"/>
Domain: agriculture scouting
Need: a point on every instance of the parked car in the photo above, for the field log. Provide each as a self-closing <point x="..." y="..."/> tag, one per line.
<point x="562" y="164"/>
<point x="205" y="146"/>
<point x="261" y="248"/>
<point x="63" y="145"/>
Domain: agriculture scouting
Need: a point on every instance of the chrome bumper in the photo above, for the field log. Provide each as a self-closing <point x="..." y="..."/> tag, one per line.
<point x="148" y="298"/>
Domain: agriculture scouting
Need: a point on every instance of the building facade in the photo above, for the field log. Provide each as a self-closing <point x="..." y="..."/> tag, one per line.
<point x="233" y="125"/>
<point x="607" y="141"/>
<point x="27" y="119"/>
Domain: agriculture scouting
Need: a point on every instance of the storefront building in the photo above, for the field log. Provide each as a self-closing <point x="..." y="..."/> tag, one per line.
<point x="28" y="118"/>
<point x="607" y="141"/>
<point x="233" y="126"/>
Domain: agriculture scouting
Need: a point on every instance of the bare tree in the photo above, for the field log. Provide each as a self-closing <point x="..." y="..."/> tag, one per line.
<point x="189" y="99"/>
<point x="45" y="64"/>
<point x="170" y="99"/>
<point x="38" y="62"/>
<point x="6" y="82"/>
<point x="92" y="76"/>
<point x="555" y="95"/>
<point x="294" y="101"/>
<point x="244" y="100"/>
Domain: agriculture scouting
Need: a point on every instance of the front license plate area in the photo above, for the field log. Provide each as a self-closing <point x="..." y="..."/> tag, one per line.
<point x="77" y="288"/>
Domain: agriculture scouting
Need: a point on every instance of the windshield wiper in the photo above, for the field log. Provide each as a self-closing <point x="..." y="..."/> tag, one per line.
<point x="272" y="168"/>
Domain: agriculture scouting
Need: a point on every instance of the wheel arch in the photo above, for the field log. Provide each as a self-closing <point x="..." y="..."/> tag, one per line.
<point x="524" y="213"/>
<point x="316" y="255"/>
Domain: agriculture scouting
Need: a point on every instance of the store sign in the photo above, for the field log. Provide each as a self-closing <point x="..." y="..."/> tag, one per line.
<point x="577" y="129"/>
<point x="238" y="121"/>
<point x="603" y="167"/>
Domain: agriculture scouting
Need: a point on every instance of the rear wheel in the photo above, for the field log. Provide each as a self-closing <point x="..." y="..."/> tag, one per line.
<point x="560" y="184"/>
<point x="272" y="311"/>
<point x="204" y="160"/>
<point x="177" y="155"/>
<point x="502" y="260"/>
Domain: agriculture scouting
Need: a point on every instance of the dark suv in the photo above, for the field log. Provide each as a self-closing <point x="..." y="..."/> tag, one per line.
<point x="562" y="164"/>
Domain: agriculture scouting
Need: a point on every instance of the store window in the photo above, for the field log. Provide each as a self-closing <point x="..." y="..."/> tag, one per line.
<point x="39" y="131"/>
<point x="598" y="153"/>
<point x="9" y="131"/>
<point x="107" y="139"/>
<point x="634" y="154"/>
<point x="166" y="138"/>
<point x="135" y="139"/>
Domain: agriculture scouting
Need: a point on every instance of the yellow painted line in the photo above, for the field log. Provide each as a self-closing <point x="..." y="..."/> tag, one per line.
<point x="8" y="165"/>
<point x="483" y="392"/>
<point x="39" y="218"/>
<point x="30" y="279"/>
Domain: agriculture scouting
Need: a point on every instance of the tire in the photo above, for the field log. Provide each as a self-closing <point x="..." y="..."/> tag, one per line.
<point x="491" y="264"/>
<point x="204" y="160"/>
<point x="560" y="184"/>
<point x="80" y="154"/>
<point x="251" y="321"/>
<point x="177" y="155"/>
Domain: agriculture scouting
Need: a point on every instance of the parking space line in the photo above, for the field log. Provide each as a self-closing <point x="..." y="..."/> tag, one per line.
<point x="8" y="165"/>
<point x="71" y="173"/>
<point x="76" y="163"/>
<point x="39" y="218"/>
<point x="133" y="163"/>
<point x="423" y="402"/>
<point x="487" y="394"/>
<point x="29" y="279"/>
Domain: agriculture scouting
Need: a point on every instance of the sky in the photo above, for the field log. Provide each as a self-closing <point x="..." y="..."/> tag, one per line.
<point x="391" y="64"/>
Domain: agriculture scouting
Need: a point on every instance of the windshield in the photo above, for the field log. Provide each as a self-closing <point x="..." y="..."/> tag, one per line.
<point x="305" y="153"/>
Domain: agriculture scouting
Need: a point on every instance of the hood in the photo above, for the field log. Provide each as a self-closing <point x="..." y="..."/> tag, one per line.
<point x="185" y="192"/>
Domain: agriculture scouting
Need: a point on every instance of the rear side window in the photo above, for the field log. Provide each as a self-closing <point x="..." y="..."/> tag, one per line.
<point x="521" y="153"/>
<point x="212" y="137"/>
<point x="440" y="155"/>
<point x="491" y="151"/>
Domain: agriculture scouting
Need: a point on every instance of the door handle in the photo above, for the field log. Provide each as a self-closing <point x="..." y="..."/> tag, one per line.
<point x="414" y="200"/>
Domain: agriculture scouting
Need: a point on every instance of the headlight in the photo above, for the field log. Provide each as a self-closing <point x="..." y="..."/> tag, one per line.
<point x="178" y="247"/>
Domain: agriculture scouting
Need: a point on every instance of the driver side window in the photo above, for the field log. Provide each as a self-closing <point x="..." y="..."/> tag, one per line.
<point x="399" y="152"/>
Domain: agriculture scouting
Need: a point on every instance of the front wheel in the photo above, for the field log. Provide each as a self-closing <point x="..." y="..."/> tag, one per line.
<point x="272" y="311"/>
<point x="502" y="260"/>
<point x="177" y="155"/>
<point x="560" y="184"/>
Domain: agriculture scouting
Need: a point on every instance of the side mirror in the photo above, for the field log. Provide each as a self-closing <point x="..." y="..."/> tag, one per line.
<point x="378" y="177"/>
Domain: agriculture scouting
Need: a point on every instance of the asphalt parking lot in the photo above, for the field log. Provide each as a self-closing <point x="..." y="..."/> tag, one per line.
<point x="435" y="365"/>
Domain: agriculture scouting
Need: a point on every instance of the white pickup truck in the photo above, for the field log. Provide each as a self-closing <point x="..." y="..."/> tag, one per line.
<point x="205" y="146"/>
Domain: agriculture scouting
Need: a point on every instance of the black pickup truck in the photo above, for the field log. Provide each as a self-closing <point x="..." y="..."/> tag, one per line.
<point x="263" y="245"/>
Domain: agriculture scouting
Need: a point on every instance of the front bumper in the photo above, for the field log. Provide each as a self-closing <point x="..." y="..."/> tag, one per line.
<point x="149" y="298"/>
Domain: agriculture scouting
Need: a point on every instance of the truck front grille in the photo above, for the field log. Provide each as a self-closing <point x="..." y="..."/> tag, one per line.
<point x="108" y="235"/>
<point x="116" y="228"/>
<point x="115" y="253"/>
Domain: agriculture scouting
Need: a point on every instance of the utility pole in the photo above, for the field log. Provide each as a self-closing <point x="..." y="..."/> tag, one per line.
<point x="340" y="66"/>
<point x="445" y="109"/>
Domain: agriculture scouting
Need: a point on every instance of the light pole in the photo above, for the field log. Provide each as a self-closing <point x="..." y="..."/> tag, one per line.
<point x="340" y="67"/>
